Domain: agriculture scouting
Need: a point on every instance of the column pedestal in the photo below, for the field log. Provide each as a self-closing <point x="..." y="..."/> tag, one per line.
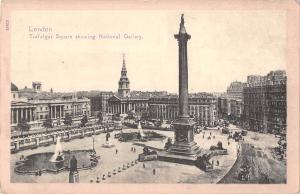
<point x="73" y="177"/>
<point x="184" y="150"/>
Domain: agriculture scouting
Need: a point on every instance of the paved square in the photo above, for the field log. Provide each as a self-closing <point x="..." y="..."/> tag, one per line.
<point x="164" y="172"/>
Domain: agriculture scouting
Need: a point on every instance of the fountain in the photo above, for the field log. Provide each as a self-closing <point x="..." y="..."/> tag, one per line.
<point x="139" y="135"/>
<point x="49" y="162"/>
<point x="141" y="131"/>
<point x="58" y="153"/>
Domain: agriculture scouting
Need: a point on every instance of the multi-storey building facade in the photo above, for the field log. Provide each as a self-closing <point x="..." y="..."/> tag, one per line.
<point x="265" y="102"/>
<point x="236" y="108"/>
<point x="120" y="105"/>
<point x="36" y="107"/>
<point x="202" y="108"/>
<point x="224" y="109"/>
<point x="235" y="90"/>
<point x="99" y="102"/>
<point x="230" y="107"/>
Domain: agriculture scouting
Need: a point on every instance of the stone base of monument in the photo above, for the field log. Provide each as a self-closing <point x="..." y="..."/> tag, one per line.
<point x="74" y="177"/>
<point x="182" y="154"/>
<point x="108" y="145"/>
<point x="198" y="159"/>
<point x="144" y="157"/>
<point x="175" y="158"/>
<point x="184" y="150"/>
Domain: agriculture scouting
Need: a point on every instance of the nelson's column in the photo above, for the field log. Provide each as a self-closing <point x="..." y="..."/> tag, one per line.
<point x="184" y="150"/>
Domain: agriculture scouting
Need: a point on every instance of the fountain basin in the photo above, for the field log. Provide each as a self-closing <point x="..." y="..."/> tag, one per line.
<point x="40" y="162"/>
<point x="136" y="136"/>
<point x="108" y="145"/>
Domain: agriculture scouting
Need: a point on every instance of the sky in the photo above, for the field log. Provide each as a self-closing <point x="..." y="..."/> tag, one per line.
<point x="225" y="46"/>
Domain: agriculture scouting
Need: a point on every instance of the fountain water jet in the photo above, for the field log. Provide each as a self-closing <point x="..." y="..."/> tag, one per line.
<point x="58" y="153"/>
<point x="141" y="130"/>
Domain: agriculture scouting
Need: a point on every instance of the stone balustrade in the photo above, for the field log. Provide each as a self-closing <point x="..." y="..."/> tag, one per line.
<point x="36" y="140"/>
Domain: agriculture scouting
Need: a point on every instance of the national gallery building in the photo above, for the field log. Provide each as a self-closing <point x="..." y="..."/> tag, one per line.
<point x="202" y="107"/>
<point x="35" y="106"/>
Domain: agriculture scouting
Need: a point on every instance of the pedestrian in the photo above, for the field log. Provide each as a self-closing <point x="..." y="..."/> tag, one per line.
<point x="134" y="149"/>
<point x="154" y="171"/>
<point x="203" y="136"/>
<point x="228" y="143"/>
<point x="116" y="151"/>
<point x="218" y="162"/>
<point x="144" y="166"/>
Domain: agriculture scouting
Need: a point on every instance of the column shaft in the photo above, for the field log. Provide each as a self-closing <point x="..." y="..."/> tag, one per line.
<point x="17" y="115"/>
<point x="30" y="109"/>
<point x="22" y="117"/>
<point x="12" y="116"/>
<point x="25" y="109"/>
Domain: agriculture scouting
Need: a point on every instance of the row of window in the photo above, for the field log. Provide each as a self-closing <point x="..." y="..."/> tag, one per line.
<point x="47" y="116"/>
<point x="66" y="106"/>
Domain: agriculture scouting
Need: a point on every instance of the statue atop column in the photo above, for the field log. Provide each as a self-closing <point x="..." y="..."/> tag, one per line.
<point x="182" y="19"/>
<point x="182" y="28"/>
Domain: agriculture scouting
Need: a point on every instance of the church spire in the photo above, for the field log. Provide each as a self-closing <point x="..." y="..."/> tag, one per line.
<point x="124" y="64"/>
<point x="124" y="90"/>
